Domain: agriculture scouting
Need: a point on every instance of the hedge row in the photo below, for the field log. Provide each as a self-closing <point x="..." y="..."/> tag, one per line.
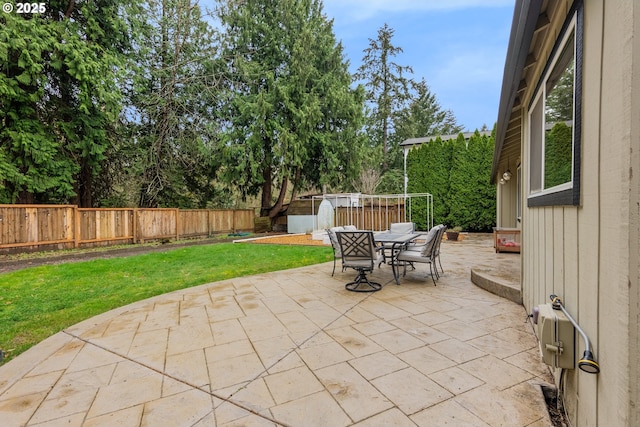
<point x="457" y="173"/>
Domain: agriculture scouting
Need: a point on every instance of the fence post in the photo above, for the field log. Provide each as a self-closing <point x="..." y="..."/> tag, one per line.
<point x="233" y="221"/>
<point x="76" y="227"/>
<point x="177" y="213"/>
<point x="135" y="226"/>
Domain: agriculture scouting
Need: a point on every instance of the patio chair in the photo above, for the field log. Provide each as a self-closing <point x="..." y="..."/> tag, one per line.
<point x="436" y="249"/>
<point x="422" y="253"/>
<point x="337" y="254"/>
<point x="396" y="228"/>
<point x="336" y="248"/>
<point x="359" y="252"/>
<point x="402" y="227"/>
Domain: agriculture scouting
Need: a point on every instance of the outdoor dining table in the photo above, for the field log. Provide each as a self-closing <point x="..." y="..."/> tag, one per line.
<point x="397" y="241"/>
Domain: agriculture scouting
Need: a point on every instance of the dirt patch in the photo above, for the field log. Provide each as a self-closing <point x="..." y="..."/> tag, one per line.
<point x="293" y="239"/>
<point x="556" y="413"/>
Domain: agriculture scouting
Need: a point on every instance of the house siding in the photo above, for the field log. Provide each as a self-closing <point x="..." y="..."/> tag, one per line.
<point x="506" y="202"/>
<point x="634" y="227"/>
<point x="588" y="254"/>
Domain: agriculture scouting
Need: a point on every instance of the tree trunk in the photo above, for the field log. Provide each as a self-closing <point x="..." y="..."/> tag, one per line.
<point x="385" y="146"/>
<point x="277" y="208"/>
<point x="265" y="205"/>
<point x="26" y="198"/>
<point x="296" y="183"/>
<point x="85" y="187"/>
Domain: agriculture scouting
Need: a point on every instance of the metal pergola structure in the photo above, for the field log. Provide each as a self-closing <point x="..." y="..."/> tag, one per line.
<point x="376" y="212"/>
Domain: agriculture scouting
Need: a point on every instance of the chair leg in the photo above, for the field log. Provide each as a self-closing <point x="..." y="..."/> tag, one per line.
<point x="334" y="267"/>
<point x="362" y="280"/>
<point x="432" y="277"/>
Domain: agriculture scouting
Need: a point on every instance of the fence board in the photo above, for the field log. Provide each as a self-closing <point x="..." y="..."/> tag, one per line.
<point x="221" y="221"/>
<point x="194" y="222"/>
<point x="157" y="224"/>
<point x="243" y="220"/>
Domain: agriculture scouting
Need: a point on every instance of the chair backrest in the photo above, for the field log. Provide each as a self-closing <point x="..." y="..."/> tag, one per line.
<point x="402" y="227"/>
<point x="436" y="248"/>
<point x="333" y="238"/>
<point x="431" y="241"/>
<point x="357" y="246"/>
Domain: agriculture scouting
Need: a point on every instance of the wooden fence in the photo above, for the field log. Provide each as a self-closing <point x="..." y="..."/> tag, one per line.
<point x="28" y="227"/>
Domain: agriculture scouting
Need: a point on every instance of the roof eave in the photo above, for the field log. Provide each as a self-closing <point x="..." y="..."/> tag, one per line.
<point x="525" y="17"/>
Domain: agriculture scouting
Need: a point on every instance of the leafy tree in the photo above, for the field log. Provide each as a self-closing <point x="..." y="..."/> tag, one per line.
<point x="387" y="90"/>
<point x="392" y="182"/>
<point x="559" y="101"/>
<point x="290" y="114"/>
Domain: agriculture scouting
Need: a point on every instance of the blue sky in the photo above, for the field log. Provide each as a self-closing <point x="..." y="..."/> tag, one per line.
<point x="458" y="46"/>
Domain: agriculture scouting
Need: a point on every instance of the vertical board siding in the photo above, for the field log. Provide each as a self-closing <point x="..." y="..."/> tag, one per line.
<point x="33" y="226"/>
<point x="583" y="253"/>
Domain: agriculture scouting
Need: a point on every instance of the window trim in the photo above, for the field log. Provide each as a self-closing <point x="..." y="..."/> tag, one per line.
<point x="561" y="195"/>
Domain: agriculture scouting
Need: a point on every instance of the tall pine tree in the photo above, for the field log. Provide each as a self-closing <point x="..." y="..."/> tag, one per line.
<point x="387" y="88"/>
<point x="291" y="115"/>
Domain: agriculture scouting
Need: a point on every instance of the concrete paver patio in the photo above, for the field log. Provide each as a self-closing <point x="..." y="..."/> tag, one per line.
<point x="293" y="348"/>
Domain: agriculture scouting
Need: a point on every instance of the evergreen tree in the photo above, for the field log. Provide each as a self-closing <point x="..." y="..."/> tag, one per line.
<point x="424" y="116"/>
<point x="456" y="173"/>
<point x="429" y="168"/>
<point x="290" y="112"/>
<point x="558" y="155"/>
<point x="60" y="100"/>
<point x="387" y="89"/>
<point x="172" y="90"/>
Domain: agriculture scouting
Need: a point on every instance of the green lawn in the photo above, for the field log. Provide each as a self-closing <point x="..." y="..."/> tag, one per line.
<point x="41" y="301"/>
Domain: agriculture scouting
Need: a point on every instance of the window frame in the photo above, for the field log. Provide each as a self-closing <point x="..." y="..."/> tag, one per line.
<point x="567" y="193"/>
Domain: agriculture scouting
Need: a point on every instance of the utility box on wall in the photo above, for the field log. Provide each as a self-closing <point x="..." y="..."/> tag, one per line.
<point x="557" y="338"/>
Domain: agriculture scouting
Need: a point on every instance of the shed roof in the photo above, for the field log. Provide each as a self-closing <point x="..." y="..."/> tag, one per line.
<point x="417" y="141"/>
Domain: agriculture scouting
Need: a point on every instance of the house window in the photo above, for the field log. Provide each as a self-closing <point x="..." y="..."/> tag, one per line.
<point x="554" y="123"/>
